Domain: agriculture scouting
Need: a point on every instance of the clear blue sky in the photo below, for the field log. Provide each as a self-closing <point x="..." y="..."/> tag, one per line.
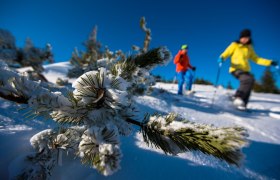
<point x="208" y="27"/>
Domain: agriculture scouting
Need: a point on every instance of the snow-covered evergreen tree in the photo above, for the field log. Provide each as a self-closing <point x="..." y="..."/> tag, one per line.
<point x="267" y="83"/>
<point x="94" y="57"/>
<point x="23" y="57"/>
<point x="35" y="57"/>
<point x="8" y="50"/>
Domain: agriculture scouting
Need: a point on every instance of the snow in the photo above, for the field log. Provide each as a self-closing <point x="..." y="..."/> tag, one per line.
<point x="142" y="162"/>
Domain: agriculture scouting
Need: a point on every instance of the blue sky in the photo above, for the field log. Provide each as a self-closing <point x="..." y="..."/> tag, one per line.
<point x="208" y="27"/>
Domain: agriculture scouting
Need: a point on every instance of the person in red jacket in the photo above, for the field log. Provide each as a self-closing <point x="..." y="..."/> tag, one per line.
<point x="182" y="62"/>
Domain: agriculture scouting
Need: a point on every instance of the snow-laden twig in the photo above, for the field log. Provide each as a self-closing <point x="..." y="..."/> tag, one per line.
<point x="174" y="135"/>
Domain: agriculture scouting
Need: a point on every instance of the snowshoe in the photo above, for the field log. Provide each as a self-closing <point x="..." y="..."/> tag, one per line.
<point x="239" y="104"/>
<point x="189" y="93"/>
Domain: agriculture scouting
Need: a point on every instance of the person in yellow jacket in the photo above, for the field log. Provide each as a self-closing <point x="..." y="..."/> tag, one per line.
<point x="240" y="52"/>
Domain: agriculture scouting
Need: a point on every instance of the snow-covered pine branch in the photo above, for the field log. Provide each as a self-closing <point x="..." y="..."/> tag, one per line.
<point x="100" y="148"/>
<point x="101" y="104"/>
<point x="136" y="69"/>
<point x="49" y="145"/>
<point x="99" y="101"/>
<point x="175" y="135"/>
<point x="15" y="85"/>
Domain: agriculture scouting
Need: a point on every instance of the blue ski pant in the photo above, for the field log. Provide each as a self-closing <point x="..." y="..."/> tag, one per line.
<point x="181" y="80"/>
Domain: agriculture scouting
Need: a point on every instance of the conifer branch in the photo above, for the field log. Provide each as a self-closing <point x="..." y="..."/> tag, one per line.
<point x="147" y="34"/>
<point x="222" y="143"/>
<point x="148" y="60"/>
<point x="151" y="58"/>
<point x="124" y="69"/>
<point x="99" y="148"/>
<point x="40" y="167"/>
<point x="132" y="121"/>
<point x="15" y="98"/>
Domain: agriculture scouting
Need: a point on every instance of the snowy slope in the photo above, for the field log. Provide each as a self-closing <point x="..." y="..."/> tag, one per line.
<point x="142" y="162"/>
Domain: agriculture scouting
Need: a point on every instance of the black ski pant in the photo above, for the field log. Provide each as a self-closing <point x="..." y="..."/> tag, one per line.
<point x="246" y="85"/>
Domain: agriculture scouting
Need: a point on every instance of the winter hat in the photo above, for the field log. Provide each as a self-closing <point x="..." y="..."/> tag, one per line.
<point x="185" y="46"/>
<point x="245" y="33"/>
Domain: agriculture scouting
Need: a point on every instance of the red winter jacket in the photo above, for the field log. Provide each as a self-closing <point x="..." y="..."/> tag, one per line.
<point x="182" y="62"/>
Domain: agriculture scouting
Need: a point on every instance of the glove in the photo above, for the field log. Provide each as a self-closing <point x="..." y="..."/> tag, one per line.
<point x="274" y="63"/>
<point x="220" y="60"/>
<point x="193" y="68"/>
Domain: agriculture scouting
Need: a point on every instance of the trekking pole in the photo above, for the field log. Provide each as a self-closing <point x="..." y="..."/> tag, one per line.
<point x="193" y="79"/>
<point x="174" y="79"/>
<point x="277" y="69"/>
<point x="216" y="83"/>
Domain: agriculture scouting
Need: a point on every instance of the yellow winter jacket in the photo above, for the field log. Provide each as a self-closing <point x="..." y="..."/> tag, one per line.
<point x="240" y="55"/>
